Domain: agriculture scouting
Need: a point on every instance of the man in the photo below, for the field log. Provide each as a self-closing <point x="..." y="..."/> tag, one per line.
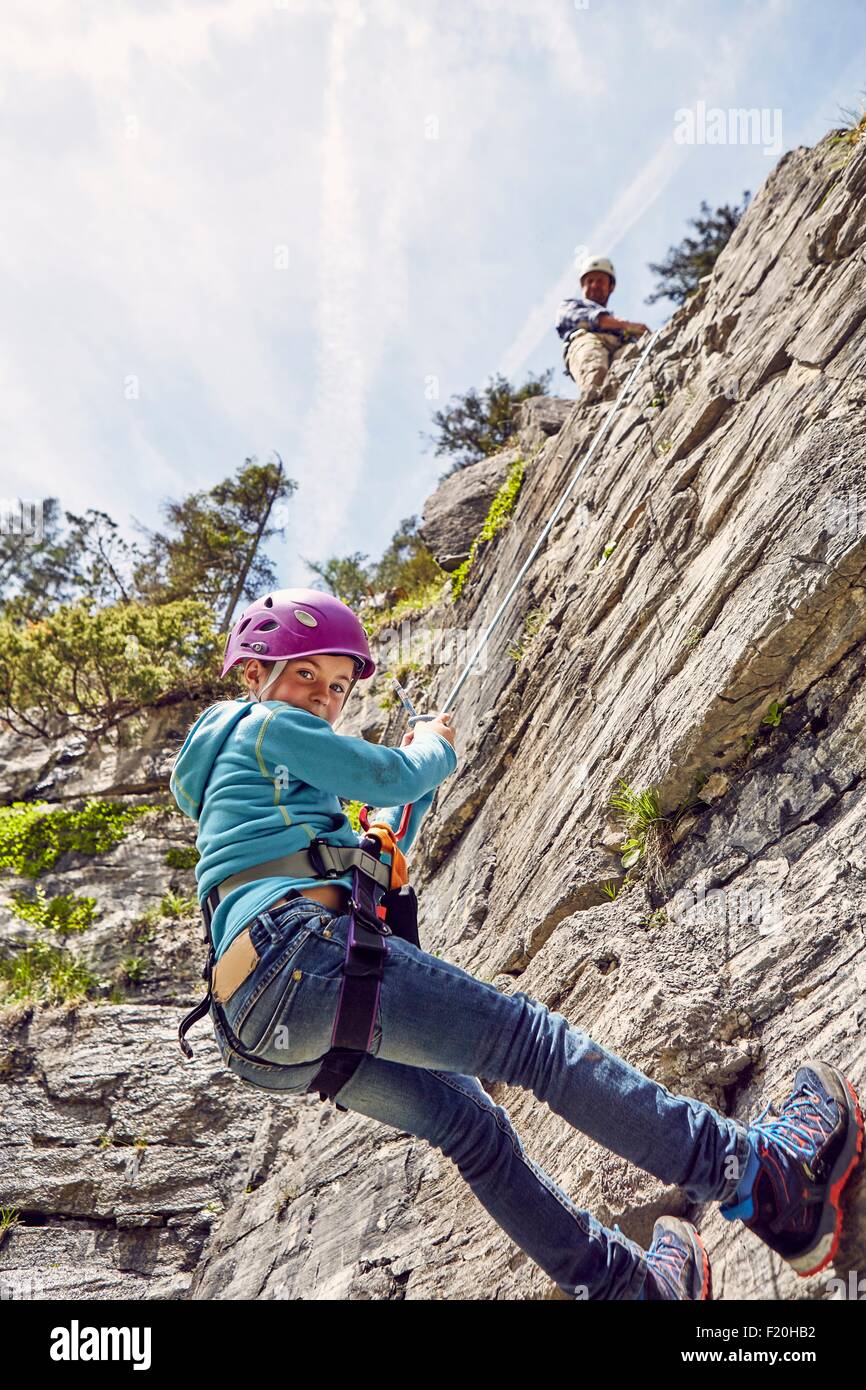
<point x="592" y="336"/>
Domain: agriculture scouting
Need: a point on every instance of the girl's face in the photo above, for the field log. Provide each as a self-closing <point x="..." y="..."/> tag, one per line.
<point x="316" y="683"/>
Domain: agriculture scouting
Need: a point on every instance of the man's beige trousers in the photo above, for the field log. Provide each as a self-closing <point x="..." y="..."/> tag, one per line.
<point x="589" y="358"/>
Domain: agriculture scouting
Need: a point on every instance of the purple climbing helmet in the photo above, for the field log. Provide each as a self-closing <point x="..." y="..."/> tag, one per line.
<point x="288" y="623"/>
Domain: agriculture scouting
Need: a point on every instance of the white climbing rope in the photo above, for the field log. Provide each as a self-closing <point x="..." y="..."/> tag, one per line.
<point x="599" y="435"/>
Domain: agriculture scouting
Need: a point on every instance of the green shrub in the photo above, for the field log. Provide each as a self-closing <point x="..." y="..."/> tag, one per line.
<point x="64" y="913"/>
<point x="44" y="974"/>
<point x="500" y="510"/>
<point x="33" y="839"/>
<point x="532" y="625"/>
<point x="9" y="1217"/>
<point x="405" y="571"/>
<point x="654" y="919"/>
<point x="133" y="968"/>
<point x="182" y="858"/>
<point x="606" y="554"/>
<point x="639" y="812"/>
<point x="352" y="810"/>
<point x="416" y="602"/>
<point x="846" y="139"/>
<point x="174" y="905"/>
<point x="84" y="665"/>
<point x="774" y="714"/>
<point x="477" y="424"/>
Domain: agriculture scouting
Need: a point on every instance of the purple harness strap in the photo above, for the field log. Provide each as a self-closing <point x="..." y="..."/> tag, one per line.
<point x="358" y="1005"/>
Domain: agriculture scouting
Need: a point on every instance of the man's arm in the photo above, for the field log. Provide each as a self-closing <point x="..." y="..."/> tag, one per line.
<point x="609" y="321"/>
<point x="574" y="313"/>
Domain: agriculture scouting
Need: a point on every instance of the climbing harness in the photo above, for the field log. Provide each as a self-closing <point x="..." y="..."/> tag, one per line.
<point x="599" y="435"/>
<point x="383" y="903"/>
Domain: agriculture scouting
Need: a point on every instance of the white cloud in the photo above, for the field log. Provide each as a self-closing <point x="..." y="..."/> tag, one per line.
<point x="46" y="38"/>
<point x="362" y="305"/>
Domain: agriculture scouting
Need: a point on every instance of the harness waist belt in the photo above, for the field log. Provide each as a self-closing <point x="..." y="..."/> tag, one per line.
<point x="326" y="861"/>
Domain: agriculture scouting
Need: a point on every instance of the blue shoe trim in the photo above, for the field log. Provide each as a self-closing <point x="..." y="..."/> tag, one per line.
<point x="743" y="1212"/>
<point x="740" y="1206"/>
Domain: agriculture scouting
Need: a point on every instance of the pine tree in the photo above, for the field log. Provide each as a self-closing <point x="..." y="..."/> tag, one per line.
<point x="687" y="263"/>
<point x="477" y="424"/>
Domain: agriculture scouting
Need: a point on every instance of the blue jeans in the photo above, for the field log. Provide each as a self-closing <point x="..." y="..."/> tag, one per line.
<point x="437" y="1028"/>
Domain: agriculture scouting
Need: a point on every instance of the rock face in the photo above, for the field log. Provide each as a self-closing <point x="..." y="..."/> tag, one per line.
<point x="700" y="628"/>
<point x="456" y="510"/>
<point x="537" y="418"/>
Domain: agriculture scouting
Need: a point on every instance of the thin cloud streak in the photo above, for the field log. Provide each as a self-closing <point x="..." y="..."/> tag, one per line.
<point x="334" y="430"/>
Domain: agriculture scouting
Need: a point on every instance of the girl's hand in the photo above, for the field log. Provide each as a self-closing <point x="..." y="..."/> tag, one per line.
<point x="441" y="726"/>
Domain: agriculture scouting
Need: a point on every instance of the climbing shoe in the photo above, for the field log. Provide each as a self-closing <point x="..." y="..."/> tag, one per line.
<point x="790" y="1193"/>
<point x="678" y="1266"/>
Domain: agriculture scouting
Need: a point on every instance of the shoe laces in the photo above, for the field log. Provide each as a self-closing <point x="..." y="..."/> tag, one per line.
<point x="797" y="1130"/>
<point x="665" y="1261"/>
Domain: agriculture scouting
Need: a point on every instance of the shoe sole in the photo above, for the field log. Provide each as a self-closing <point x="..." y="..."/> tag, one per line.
<point x="826" y="1242"/>
<point x="702" y="1279"/>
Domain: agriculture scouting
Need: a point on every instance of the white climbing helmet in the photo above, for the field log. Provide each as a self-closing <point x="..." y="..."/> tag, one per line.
<point x="598" y="263"/>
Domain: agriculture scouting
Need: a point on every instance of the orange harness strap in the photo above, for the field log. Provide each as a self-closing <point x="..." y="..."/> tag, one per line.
<point x="382" y="832"/>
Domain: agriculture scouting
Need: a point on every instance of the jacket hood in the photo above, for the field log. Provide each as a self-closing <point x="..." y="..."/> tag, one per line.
<point x="194" y="763"/>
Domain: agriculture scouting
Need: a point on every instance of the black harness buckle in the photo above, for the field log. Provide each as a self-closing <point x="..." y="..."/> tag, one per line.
<point x="321" y="870"/>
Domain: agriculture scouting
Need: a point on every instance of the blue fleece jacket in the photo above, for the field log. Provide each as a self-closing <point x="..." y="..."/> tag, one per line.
<point x="263" y="778"/>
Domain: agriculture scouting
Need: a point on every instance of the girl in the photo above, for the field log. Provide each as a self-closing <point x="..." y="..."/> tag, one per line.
<point x="262" y="777"/>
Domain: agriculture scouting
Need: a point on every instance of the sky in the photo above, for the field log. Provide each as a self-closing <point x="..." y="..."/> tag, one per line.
<point x="234" y="227"/>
